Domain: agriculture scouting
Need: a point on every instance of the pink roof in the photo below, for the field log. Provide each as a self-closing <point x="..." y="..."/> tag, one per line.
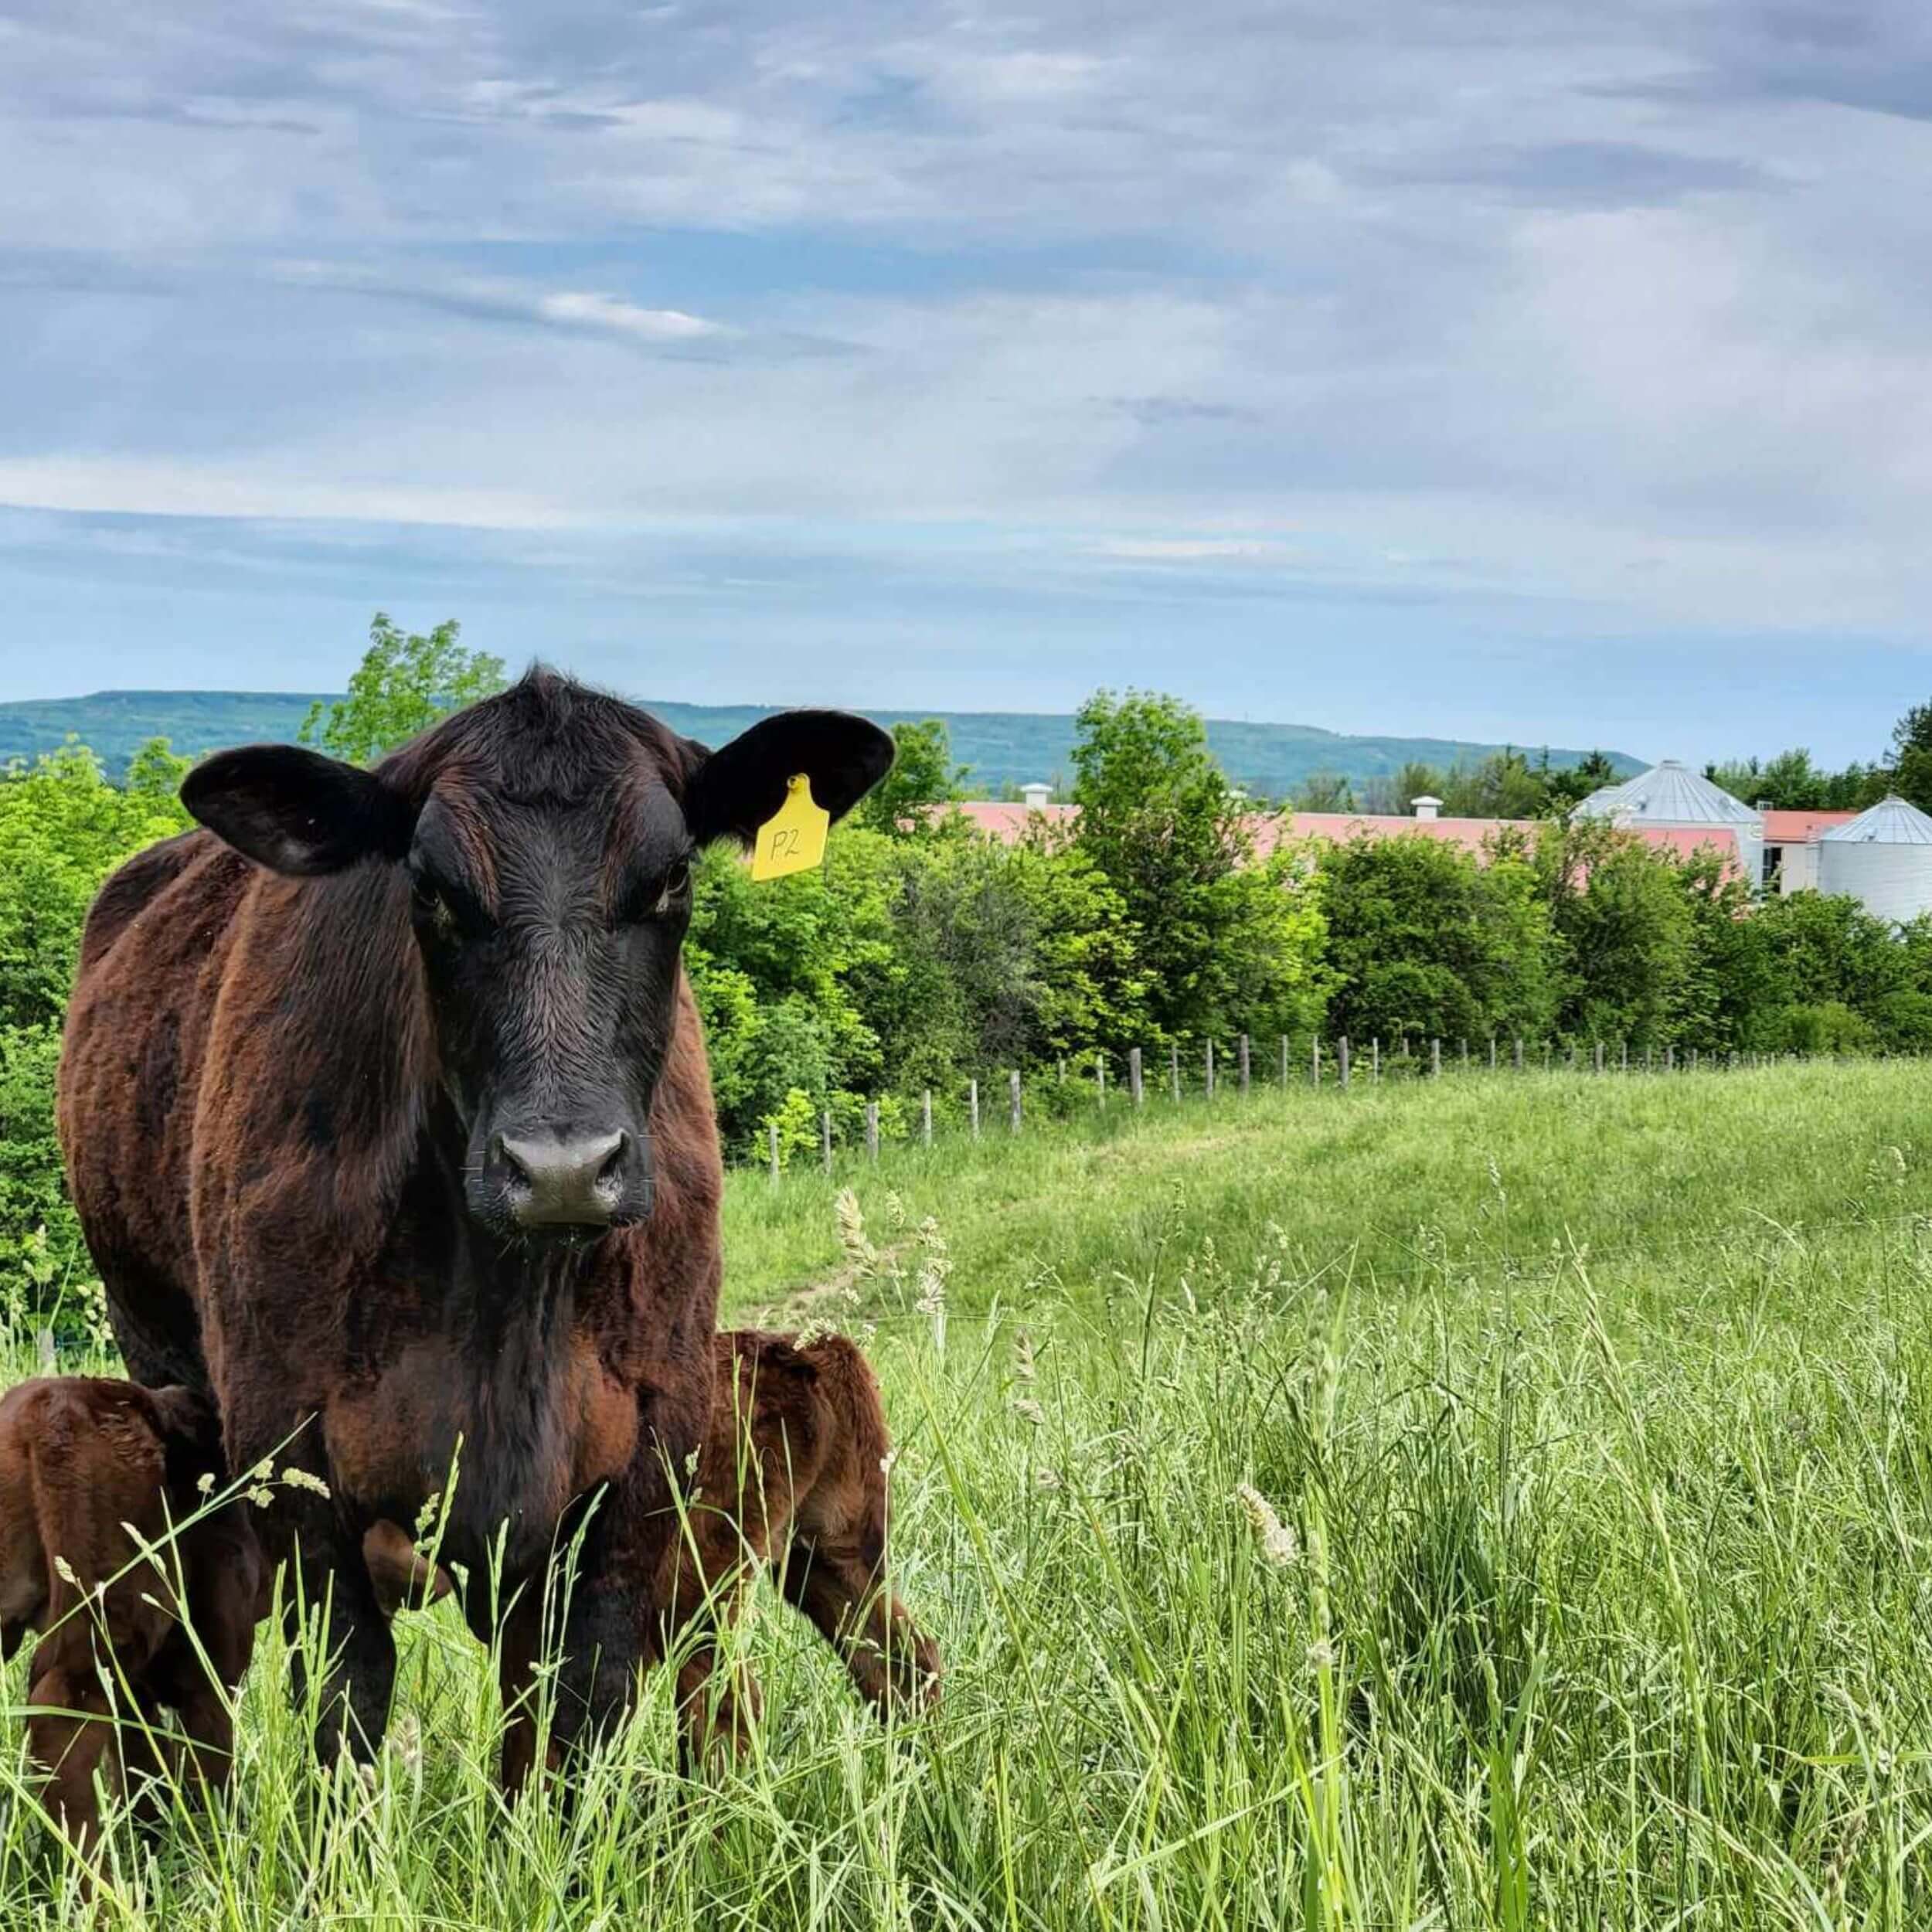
<point x="1007" y="822"/>
<point x="1802" y="828"/>
<point x="1468" y="833"/>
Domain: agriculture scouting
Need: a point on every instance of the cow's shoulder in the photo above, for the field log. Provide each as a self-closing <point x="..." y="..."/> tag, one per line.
<point x="134" y="885"/>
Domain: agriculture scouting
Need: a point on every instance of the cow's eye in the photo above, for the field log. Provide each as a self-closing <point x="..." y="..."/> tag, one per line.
<point x="671" y="890"/>
<point x="677" y="882"/>
<point x="430" y="905"/>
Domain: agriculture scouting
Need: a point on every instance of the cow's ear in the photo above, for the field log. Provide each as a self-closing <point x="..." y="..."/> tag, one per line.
<point x="296" y="811"/>
<point x="733" y="790"/>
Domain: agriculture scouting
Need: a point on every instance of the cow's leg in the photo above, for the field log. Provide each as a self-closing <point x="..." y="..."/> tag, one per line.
<point x="716" y="1709"/>
<point x="360" y="1677"/>
<point x="70" y="1737"/>
<point x="611" y="1613"/>
<point x="840" y="1586"/>
<point x="518" y="1635"/>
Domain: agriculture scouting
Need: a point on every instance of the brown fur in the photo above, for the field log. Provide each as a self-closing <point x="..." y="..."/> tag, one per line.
<point x="79" y="1458"/>
<point x="272" y="1145"/>
<point x="791" y="1479"/>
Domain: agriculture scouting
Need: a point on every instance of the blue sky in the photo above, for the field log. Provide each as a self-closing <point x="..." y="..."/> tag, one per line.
<point x="1526" y="371"/>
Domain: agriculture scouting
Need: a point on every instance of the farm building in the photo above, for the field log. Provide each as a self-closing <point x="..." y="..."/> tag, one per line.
<point x="1672" y="797"/>
<point x="1883" y="858"/>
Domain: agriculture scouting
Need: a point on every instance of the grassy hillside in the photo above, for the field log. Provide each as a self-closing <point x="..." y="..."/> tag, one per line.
<point x="1494" y="1504"/>
<point x="1003" y="748"/>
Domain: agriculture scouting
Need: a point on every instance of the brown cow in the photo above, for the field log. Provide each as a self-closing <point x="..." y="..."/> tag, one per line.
<point x="79" y="1459"/>
<point x="792" y="1479"/>
<point x="387" y="1116"/>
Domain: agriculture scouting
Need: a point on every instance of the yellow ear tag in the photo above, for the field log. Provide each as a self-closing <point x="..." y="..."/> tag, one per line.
<point x="793" y="839"/>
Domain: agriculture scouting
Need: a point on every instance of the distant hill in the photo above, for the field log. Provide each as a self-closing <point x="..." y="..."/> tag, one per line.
<point x="1003" y="748"/>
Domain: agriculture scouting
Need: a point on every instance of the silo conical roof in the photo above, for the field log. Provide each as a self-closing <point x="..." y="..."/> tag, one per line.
<point x="1892" y="821"/>
<point x="1669" y="794"/>
<point x="1597" y="803"/>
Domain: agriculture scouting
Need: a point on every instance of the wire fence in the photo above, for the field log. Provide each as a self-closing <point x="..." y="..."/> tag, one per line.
<point x="1097" y="1082"/>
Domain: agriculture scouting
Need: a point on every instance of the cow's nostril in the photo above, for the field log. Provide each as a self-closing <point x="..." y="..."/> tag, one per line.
<point x="611" y="1173"/>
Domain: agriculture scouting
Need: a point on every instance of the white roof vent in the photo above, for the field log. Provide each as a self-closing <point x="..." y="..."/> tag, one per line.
<point x="1425" y="807"/>
<point x="1035" y="797"/>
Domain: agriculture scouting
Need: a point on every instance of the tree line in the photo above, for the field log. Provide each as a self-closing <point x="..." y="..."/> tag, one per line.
<point x="923" y="954"/>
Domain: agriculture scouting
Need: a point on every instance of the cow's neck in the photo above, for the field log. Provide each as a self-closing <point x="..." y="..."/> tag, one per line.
<point x="509" y="1316"/>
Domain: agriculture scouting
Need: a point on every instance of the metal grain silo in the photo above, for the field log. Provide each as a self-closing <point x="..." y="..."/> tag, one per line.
<point x="1882" y="859"/>
<point x="1672" y="797"/>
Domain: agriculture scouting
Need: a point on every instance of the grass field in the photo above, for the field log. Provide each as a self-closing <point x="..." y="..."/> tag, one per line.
<point x="1502" y="1503"/>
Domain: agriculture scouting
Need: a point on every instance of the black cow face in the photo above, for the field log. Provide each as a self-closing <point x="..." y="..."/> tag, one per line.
<point x="546" y="836"/>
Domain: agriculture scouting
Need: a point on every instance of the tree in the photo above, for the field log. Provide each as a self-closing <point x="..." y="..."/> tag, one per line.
<point x="1565" y="787"/>
<point x="1324" y="791"/>
<point x="406" y="682"/>
<point x="63" y="829"/>
<point x="1226" y="947"/>
<point x="1911" y="773"/>
<point x="923" y="775"/>
<point x="1425" y="939"/>
<point x="1624" y="921"/>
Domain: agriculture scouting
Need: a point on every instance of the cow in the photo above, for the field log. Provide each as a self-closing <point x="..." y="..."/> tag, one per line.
<point x="167" y="1621"/>
<point x="792" y="1479"/>
<point x="387" y="1116"/>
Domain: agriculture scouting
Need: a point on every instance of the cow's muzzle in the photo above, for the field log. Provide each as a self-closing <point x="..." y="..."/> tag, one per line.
<point x="548" y="1179"/>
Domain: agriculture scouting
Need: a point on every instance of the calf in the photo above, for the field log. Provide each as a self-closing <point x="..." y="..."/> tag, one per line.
<point x="82" y="1460"/>
<point x="792" y="1478"/>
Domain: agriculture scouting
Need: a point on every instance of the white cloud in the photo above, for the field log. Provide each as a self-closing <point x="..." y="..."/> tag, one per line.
<point x="124" y="487"/>
<point x="1181" y="550"/>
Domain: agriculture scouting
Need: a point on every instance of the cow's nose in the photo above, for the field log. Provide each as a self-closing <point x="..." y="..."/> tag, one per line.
<point x="555" y="1181"/>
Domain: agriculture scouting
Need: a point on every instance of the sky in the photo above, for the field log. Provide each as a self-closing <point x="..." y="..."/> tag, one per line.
<point x="1550" y="373"/>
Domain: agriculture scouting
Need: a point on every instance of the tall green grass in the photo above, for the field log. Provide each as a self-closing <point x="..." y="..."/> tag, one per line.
<point x="1502" y="1503"/>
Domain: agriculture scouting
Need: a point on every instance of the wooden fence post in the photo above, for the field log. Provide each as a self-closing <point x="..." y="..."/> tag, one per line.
<point x="1284" y="1063"/>
<point x="771" y="1141"/>
<point x="1374" y="1060"/>
<point x="972" y="1105"/>
<point x="1649" y="1063"/>
<point x="1623" y="1056"/>
<point x="1314" y="1063"/>
<point x="1342" y="1051"/>
<point x="1174" y="1069"/>
<point x="1014" y="1078"/>
<point x="45" y="1356"/>
<point x="1600" y="1056"/>
<point x="1134" y="1074"/>
<point x="1670" y="1058"/>
<point x="1099" y="1078"/>
<point x="1492" y="1053"/>
<point x="1209" y="1064"/>
<point x="925" y="1117"/>
<point x="1435" y="1060"/>
<point x="825" y="1135"/>
<point x="1465" y="1046"/>
<point x="1693" y="1065"/>
<point x="1244" y="1065"/>
<point x="1519" y="1052"/>
<point x="872" y="1131"/>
